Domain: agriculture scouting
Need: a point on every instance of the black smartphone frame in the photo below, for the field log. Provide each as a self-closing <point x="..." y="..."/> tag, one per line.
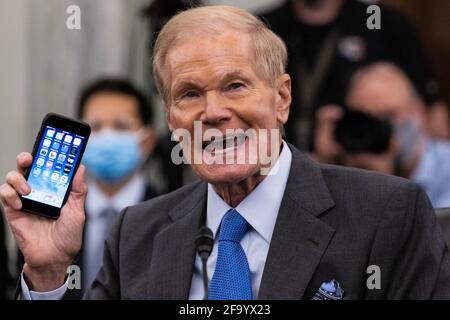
<point x="67" y="124"/>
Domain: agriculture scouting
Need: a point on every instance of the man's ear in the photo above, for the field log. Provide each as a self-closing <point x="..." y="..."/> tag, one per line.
<point x="283" y="98"/>
<point x="148" y="141"/>
<point x="168" y="119"/>
<point x="392" y="147"/>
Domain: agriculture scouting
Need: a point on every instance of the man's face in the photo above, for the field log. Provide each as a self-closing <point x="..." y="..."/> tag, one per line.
<point x="214" y="80"/>
<point x="389" y="98"/>
<point x="112" y="111"/>
<point x="120" y="113"/>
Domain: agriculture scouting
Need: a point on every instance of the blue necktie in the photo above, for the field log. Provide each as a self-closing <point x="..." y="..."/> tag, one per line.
<point x="231" y="279"/>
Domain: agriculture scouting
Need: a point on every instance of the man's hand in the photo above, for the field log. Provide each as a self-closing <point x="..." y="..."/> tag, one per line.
<point x="326" y="149"/>
<point x="49" y="246"/>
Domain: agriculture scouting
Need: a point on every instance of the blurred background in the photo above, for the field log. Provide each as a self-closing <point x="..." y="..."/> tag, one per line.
<point x="333" y="57"/>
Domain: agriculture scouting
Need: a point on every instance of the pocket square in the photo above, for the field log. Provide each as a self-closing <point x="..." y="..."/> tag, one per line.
<point x="329" y="291"/>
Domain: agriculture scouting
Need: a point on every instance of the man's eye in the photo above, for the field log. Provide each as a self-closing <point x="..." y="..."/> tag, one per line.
<point x="95" y="126"/>
<point x="121" y="126"/>
<point x="191" y="94"/>
<point x="235" y="86"/>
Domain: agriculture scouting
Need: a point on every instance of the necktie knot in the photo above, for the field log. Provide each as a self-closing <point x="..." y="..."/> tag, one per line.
<point x="233" y="227"/>
<point x="108" y="213"/>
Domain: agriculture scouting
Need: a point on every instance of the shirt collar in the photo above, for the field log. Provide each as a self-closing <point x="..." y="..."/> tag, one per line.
<point x="260" y="208"/>
<point x="130" y="194"/>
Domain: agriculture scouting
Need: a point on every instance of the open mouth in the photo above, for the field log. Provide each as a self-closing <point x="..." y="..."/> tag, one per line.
<point x="225" y="144"/>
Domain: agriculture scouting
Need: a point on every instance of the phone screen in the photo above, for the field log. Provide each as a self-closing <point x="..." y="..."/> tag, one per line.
<point x="54" y="166"/>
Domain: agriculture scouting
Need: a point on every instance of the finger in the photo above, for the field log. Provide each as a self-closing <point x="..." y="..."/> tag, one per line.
<point x="24" y="160"/>
<point x="74" y="208"/>
<point x="17" y="181"/>
<point x="330" y="113"/>
<point x="9" y="197"/>
<point x="78" y="185"/>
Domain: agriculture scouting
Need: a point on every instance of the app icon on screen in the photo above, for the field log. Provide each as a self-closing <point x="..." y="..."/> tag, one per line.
<point x="47" y="143"/>
<point x="46" y="173"/>
<point x="40" y="162"/>
<point x="76" y="141"/>
<point x="61" y="158"/>
<point x="49" y="164"/>
<point x="55" y="176"/>
<point x="52" y="155"/>
<point x="64" y="148"/>
<point x="68" y="139"/>
<point x="55" y="145"/>
<point x="33" y="195"/>
<point x="43" y="152"/>
<point x="37" y="171"/>
<point x="67" y="169"/>
<point x="64" y="179"/>
<point x="70" y="160"/>
<point x="50" y="133"/>
<point x="73" y="151"/>
<point x="59" y="136"/>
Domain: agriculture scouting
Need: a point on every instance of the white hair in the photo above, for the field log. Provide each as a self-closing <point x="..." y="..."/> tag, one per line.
<point x="269" y="50"/>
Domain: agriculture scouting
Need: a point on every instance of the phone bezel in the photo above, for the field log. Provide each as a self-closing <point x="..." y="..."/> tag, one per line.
<point x="66" y="124"/>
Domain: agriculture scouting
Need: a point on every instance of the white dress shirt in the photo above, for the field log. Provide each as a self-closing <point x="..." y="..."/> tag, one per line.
<point x="260" y="209"/>
<point x="96" y="202"/>
<point x="433" y="172"/>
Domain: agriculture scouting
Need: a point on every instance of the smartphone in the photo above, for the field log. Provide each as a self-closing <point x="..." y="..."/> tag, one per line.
<point x="57" y="153"/>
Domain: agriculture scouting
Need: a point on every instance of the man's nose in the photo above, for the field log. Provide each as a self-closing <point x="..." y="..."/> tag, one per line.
<point x="216" y="110"/>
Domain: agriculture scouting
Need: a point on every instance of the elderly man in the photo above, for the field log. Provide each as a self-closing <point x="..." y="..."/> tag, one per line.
<point x="300" y="231"/>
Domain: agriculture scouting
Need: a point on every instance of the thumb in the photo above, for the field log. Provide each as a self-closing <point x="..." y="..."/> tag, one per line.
<point x="330" y="113"/>
<point x="79" y="188"/>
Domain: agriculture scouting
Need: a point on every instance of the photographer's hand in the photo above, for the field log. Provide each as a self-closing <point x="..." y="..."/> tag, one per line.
<point x="326" y="149"/>
<point x="49" y="246"/>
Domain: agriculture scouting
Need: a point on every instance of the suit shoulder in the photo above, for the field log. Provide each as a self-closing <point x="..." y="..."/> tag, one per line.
<point x="362" y="195"/>
<point x="359" y="181"/>
<point x="159" y="207"/>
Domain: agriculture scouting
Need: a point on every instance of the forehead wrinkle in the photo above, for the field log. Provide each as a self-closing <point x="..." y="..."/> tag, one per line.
<point x="221" y="77"/>
<point x="184" y="64"/>
<point x="224" y="44"/>
<point x="192" y="79"/>
<point x="209" y="53"/>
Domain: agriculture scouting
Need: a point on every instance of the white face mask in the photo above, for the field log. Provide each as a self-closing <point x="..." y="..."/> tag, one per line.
<point x="113" y="156"/>
<point x="408" y="136"/>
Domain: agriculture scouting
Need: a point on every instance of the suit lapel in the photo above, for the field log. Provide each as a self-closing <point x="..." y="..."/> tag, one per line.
<point x="300" y="238"/>
<point x="173" y="253"/>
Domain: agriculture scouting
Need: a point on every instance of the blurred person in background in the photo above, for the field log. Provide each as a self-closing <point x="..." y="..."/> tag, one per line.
<point x="121" y="141"/>
<point x="328" y="40"/>
<point x="365" y="142"/>
<point x="384" y="91"/>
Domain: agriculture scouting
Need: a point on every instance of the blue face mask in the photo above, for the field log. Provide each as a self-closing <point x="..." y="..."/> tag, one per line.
<point x="112" y="156"/>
